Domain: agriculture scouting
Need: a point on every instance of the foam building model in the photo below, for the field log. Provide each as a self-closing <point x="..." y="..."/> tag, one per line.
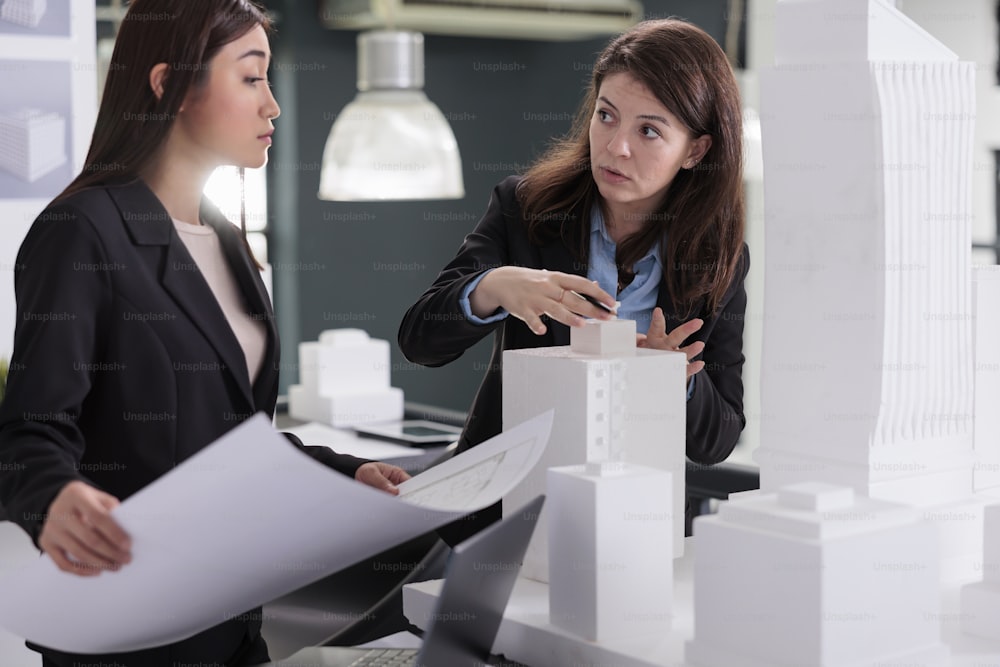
<point x="823" y="577"/>
<point x="612" y="402"/>
<point x="32" y="142"/>
<point x="980" y="601"/>
<point x="610" y="549"/>
<point x="345" y="381"/>
<point x="985" y="297"/>
<point x="22" y="12"/>
<point x="867" y="376"/>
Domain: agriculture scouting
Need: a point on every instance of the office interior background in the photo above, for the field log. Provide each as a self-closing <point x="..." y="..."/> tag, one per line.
<point x="361" y="264"/>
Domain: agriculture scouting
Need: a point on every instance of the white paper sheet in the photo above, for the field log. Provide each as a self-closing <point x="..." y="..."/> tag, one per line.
<point x="245" y="520"/>
<point x="482" y="475"/>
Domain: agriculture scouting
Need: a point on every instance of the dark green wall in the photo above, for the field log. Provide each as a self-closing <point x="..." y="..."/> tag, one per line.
<point x="363" y="264"/>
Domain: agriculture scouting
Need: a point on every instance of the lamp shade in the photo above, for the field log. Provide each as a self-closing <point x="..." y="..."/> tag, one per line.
<point x="390" y="142"/>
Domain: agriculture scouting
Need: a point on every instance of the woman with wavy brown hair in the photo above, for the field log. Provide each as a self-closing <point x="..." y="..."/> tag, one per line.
<point x="642" y="204"/>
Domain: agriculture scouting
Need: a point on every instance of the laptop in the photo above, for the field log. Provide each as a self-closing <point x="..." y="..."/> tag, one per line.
<point x="478" y="582"/>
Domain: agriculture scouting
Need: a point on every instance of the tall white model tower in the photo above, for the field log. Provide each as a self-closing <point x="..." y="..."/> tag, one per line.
<point x="612" y="402"/>
<point x="867" y="377"/>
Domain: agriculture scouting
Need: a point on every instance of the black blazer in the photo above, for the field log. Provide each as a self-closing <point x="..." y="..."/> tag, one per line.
<point x="124" y="364"/>
<point x="435" y="331"/>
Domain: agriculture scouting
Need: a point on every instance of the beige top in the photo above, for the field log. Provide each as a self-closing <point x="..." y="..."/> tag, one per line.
<point x="203" y="244"/>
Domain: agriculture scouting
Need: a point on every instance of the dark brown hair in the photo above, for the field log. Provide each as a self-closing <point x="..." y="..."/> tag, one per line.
<point x="700" y="223"/>
<point x="132" y="123"/>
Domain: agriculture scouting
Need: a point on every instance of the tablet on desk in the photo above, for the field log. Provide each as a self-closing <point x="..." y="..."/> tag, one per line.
<point x="413" y="432"/>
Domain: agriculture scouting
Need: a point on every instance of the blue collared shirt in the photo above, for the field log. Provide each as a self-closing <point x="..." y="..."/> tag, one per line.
<point x="638" y="299"/>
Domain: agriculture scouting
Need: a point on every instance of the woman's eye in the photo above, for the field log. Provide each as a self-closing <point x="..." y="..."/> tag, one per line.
<point x="650" y="132"/>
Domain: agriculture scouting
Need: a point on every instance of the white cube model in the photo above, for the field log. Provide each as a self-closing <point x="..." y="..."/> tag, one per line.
<point x="345" y="381"/>
<point x="814" y="575"/>
<point x="32" y="142"/>
<point x="981" y="601"/>
<point x="610" y="550"/>
<point x="630" y="407"/>
<point x="611" y="338"/>
<point x="28" y="13"/>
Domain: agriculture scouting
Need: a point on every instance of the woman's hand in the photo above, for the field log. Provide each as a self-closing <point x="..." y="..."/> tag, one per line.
<point x="657" y="338"/>
<point x="382" y="476"/>
<point x="527" y="294"/>
<point x="79" y="534"/>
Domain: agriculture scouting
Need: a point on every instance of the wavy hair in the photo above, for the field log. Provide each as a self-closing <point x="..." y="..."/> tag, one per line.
<point x="700" y="222"/>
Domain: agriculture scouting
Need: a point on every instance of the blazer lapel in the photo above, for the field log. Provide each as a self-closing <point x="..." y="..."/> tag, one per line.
<point x="258" y="301"/>
<point x="148" y="223"/>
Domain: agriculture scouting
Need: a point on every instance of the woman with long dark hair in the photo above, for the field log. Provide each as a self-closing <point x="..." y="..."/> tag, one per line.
<point x="144" y="331"/>
<point x="642" y="203"/>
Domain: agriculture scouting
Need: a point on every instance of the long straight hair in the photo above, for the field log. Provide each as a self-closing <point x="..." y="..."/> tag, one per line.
<point x="700" y="223"/>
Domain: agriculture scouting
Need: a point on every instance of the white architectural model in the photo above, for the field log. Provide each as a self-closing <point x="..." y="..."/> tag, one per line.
<point x="22" y="12"/>
<point x="610" y="550"/>
<point x="867" y="358"/>
<point x="625" y="405"/>
<point x="345" y="381"/>
<point x="981" y="601"/>
<point x="986" y="298"/>
<point x="814" y="575"/>
<point x="32" y="142"/>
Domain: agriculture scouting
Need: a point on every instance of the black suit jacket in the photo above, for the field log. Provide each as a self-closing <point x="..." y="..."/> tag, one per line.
<point x="124" y="364"/>
<point x="435" y="331"/>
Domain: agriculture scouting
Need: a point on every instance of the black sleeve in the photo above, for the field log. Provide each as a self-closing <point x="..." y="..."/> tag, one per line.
<point x="435" y="330"/>
<point x="715" y="412"/>
<point x="343" y="463"/>
<point x="62" y="296"/>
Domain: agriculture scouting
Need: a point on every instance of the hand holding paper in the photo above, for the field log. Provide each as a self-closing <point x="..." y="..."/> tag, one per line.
<point x="266" y="519"/>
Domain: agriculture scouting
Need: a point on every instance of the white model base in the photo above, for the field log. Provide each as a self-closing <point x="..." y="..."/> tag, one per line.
<point x="345" y="410"/>
<point x="813" y="575"/>
<point x="629" y="408"/>
<point x="716" y="656"/>
<point x="610" y="550"/>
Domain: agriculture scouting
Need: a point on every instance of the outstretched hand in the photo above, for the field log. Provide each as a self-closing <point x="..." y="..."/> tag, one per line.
<point x="79" y="534"/>
<point x="381" y="476"/>
<point x="527" y="294"/>
<point x="657" y="338"/>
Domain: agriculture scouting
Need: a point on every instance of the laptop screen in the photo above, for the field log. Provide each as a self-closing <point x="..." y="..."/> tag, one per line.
<point x="478" y="583"/>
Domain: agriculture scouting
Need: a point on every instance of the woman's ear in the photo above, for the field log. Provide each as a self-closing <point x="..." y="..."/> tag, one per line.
<point x="699" y="147"/>
<point x="157" y="77"/>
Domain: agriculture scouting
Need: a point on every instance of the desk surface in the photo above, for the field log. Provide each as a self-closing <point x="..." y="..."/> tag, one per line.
<point x="526" y="635"/>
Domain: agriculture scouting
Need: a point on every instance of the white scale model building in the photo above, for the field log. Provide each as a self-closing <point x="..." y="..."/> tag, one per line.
<point x="28" y="13"/>
<point x="32" y="143"/>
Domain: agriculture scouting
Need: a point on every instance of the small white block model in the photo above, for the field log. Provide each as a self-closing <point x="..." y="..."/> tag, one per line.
<point x="814" y="575"/>
<point x="610" y="550"/>
<point x="629" y="408"/>
<point x="981" y="601"/>
<point x="610" y="338"/>
<point x="23" y="12"/>
<point x="345" y="381"/>
<point x="32" y="143"/>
